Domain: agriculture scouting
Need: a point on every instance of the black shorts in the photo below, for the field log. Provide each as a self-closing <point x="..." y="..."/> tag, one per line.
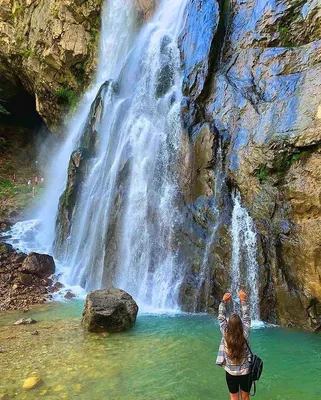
<point x="237" y="382"/>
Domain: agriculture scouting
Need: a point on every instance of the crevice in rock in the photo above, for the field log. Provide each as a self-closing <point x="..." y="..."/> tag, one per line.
<point x="215" y="51"/>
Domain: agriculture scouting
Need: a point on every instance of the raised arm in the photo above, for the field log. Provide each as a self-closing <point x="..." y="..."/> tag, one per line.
<point x="246" y="318"/>
<point x="222" y="312"/>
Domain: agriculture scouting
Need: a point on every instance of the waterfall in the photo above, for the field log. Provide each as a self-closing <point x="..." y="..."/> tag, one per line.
<point x="125" y="213"/>
<point x="118" y="29"/>
<point x="245" y="268"/>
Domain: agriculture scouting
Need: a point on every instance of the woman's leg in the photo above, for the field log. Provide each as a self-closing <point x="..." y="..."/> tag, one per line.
<point x="234" y="396"/>
<point x="245" y="385"/>
<point x="245" y="395"/>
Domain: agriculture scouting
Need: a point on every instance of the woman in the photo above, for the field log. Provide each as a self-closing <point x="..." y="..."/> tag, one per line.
<point x="234" y="355"/>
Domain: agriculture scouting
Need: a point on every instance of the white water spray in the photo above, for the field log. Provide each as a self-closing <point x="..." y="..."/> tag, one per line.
<point x="245" y="268"/>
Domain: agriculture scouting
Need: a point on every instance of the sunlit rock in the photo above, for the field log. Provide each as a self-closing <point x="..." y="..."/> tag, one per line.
<point x="109" y="310"/>
<point x="31" y="382"/>
<point x="25" y="321"/>
<point x="58" y="70"/>
<point x="264" y="101"/>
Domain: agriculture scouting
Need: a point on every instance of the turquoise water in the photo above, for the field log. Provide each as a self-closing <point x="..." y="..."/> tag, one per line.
<point x="163" y="357"/>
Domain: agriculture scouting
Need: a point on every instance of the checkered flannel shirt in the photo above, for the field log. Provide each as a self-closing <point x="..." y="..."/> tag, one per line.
<point x="222" y="357"/>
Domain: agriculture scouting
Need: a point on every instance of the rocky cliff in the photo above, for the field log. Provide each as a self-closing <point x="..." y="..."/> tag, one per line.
<point x="48" y="48"/>
<point x="255" y="81"/>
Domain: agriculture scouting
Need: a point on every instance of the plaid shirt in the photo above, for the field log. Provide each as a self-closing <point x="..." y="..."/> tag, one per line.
<point x="222" y="357"/>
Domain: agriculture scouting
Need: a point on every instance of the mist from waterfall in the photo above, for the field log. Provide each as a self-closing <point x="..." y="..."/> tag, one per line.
<point x="244" y="266"/>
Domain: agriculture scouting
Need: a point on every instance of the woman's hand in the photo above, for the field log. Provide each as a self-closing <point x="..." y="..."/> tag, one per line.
<point x="227" y="297"/>
<point x="242" y="296"/>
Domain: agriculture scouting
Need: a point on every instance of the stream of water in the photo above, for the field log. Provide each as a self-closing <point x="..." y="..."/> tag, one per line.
<point x="245" y="267"/>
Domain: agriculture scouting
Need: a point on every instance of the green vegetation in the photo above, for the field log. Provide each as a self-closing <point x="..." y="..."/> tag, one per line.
<point x="9" y="189"/>
<point x="16" y="196"/>
<point x="67" y="97"/>
<point x="284" y="35"/>
<point x="27" y="53"/>
<point x="262" y="173"/>
<point x="94" y="36"/>
<point x="303" y="154"/>
<point x="286" y="30"/>
<point x="54" y="12"/>
<point x="283" y="30"/>
<point x="17" y="10"/>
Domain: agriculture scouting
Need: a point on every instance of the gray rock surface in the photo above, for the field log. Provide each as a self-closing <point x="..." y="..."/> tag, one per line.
<point x="109" y="310"/>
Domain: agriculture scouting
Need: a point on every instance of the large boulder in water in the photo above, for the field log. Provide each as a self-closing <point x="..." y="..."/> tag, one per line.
<point x="109" y="310"/>
<point x="41" y="265"/>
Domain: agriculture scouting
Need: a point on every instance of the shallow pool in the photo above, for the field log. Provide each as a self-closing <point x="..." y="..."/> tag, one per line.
<point x="163" y="357"/>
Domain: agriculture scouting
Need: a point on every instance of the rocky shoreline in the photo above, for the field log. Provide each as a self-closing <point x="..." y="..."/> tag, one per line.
<point x="20" y="286"/>
<point x="26" y="280"/>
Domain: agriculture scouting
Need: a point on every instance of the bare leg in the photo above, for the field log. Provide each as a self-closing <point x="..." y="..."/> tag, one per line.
<point x="234" y="396"/>
<point x="245" y="395"/>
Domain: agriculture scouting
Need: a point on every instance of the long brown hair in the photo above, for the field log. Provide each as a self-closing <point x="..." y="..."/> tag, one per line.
<point x="235" y="340"/>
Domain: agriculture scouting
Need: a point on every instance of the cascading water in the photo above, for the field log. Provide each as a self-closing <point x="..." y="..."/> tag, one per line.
<point x="126" y="211"/>
<point x="117" y="36"/>
<point x="245" y="268"/>
<point x="122" y="224"/>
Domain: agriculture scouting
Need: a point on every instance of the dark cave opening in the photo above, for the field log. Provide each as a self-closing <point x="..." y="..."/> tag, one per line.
<point x="25" y="141"/>
<point x="22" y="112"/>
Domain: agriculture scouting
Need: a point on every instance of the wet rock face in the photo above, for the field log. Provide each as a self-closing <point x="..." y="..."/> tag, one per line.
<point x="77" y="168"/>
<point x="76" y="173"/>
<point x="109" y="310"/>
<point x="50" y="48"/>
